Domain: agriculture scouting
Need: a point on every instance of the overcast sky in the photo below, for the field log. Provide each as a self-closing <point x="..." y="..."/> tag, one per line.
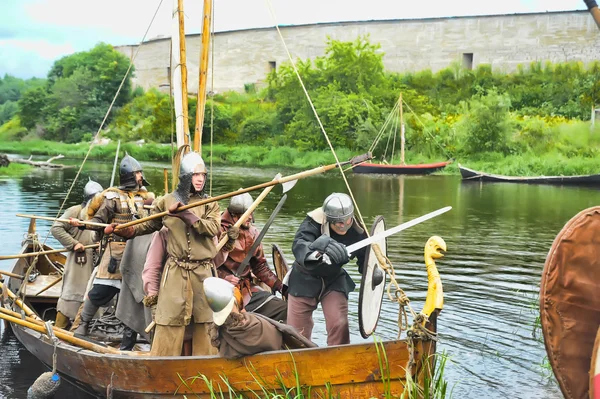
<point x="34" y="33"/>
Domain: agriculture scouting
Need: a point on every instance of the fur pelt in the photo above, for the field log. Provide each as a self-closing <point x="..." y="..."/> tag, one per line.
<point x="97" y="201"/>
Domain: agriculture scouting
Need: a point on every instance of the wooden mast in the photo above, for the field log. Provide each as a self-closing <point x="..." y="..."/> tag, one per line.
<point x="202" y="78"/>
<point x="402" y="162"/>
<point x="179" y="75"/>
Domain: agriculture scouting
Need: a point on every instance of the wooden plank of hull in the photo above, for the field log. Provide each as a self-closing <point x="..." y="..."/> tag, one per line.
<point x="423" y="169"/>
<point x="352" y="370"/>
<point x="582" y="180"/>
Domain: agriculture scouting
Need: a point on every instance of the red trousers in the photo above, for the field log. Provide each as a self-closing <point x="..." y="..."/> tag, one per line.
<point x="335" y="309"/>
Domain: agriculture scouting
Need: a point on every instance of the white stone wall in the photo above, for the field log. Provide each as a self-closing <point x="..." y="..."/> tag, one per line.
<point x="504" y="41"/>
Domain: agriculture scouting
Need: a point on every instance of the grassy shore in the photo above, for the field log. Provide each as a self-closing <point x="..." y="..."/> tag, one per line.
<point x="549" y="164"/>
<point x="15" y="169"/>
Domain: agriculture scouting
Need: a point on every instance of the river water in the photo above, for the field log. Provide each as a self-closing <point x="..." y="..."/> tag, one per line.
<point x="498" y="236"/>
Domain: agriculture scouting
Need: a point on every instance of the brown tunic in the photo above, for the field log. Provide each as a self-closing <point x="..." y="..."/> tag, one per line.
<point x="190" y="250"/>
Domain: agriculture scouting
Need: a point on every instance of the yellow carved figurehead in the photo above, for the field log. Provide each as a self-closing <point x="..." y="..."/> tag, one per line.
<point x="435" y="293"/>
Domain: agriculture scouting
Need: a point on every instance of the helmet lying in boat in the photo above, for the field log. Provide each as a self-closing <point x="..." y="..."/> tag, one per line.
<point x="220" y="298"/>
<point x="191" y="163"/>
<point x="91" y="188"/>
<point x="338" y="207"/>
<point x="240" y="204"/>
<point x="129" y="166"/>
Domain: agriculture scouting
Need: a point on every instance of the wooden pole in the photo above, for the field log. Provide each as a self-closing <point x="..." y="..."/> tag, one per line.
<point x="22" y="215"/>
<point x="166" y="176"/>
<point x="203" y="69"/>
<point x="9" y="274"/>
<point x="52" y="251"/>
<point x="237" y="224"/>
<point x="246" y="214"/>
<point x="114" y="171"/>
<point x="402" y="162"/>
<point x="61" y="334"/>
<point x="301" y="175"/>
<point x="593" y="8"/>
<point x="184" y="83"/>
<point x="52" y="284"/>
<point x="18" y="301"/>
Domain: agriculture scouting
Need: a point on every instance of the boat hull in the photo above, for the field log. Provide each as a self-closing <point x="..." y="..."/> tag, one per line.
<point x="347" y="371"/>
<point x="351" y="371"/>
<point x="581" y="180"/>
<point x="423" y="169"/>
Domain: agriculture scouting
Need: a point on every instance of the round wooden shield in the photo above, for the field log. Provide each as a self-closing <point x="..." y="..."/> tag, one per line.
<point x="371" y="296"/>
<point x="595" y="369"/>
<point x="570" y="302"/>
<point x="279" y="263"/>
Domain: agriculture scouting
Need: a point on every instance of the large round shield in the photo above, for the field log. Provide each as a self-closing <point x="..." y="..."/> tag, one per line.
<point x="371" y="295"/>
<point x="281" y="267"/>
<point x="570" y="301"/>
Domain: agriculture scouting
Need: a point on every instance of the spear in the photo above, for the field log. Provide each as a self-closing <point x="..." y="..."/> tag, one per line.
<point x="288" y="179"/>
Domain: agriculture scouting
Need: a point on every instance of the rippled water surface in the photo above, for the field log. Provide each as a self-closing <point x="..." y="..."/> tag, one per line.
<point x="498" y="236"/>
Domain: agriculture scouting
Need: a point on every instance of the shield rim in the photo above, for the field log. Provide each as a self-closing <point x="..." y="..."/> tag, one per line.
<point x="361" y="294"/>
<point x="279" y="263"/>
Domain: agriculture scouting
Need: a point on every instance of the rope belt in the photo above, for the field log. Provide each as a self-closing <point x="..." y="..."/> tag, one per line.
<point x="188" y="264"/>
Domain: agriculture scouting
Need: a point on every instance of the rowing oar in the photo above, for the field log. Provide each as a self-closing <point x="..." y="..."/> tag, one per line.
<point x="18" y="301"/>
<point x="258" y="240"/>
<point x="321" y="169"/>
<point x="593" y="8"/>
<point x="39" y="326"/>
<point x="21" y="215"/>
<point x="9" y="274"/>
<point x="51" y="251"/>
<point x="241" y="221"/>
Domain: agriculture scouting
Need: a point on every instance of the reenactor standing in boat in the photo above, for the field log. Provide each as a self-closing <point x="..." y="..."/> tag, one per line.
<point x="228" y="261"/>
<point x="116" y="205"/>
<point x="318" y="274"/>
<point x="80" y="262"/>
<point x="190" y="252"/>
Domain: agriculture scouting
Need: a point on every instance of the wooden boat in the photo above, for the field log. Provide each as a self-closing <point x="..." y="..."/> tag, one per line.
<point x="570" y="304"/>
<point x="348" y="371"/>
<point x="402" y="168"/>
<point x="580" y="180"/>
<point x="415" y="169"/>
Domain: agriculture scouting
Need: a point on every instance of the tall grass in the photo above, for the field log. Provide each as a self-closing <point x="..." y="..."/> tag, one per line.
<point x="435" y="385"/>
<point x="15" y="169"/>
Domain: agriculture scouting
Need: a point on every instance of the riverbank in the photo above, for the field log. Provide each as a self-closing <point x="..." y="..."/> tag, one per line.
<point x="550" y="164"/>
<point x="15" y="169"/>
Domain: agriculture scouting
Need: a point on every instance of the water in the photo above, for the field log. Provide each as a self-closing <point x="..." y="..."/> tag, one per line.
<point x="498" y="236"/>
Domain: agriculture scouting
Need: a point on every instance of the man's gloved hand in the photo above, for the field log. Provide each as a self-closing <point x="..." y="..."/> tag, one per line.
<point x="233" y="233"/>
<point x="78" y="247"/>
<point x="186" y="216"/>
<point x="333" y="252"/>
<point x="150" y="302"/>
<point x="232" y="279"/>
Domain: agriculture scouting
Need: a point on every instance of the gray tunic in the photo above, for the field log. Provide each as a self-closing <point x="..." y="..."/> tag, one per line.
<point x="76" y="276"/>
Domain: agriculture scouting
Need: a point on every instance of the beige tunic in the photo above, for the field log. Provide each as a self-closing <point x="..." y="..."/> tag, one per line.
<point x="76" y="276"/>
<point x="190" y="250"/>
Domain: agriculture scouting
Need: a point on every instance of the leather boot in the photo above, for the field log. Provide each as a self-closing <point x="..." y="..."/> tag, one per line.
<point x="88" y="312"/>
<point x="61" y="321"/>
<point x="129" y="339"/>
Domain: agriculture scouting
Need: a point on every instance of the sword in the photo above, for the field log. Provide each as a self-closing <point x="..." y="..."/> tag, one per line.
<point x="258" y="240"/>
<point x="394" y="230"/>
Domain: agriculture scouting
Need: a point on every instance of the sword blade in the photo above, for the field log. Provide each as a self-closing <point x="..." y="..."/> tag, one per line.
<point x="258" y="240"/>
<point x="394" y="230"/>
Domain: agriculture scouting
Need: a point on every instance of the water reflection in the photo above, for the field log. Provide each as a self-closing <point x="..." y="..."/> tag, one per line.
<point x="497" y="235"/>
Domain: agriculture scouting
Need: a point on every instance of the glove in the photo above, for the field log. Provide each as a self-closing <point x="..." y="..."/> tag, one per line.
<point x="233" y="233"/>
<point x="333" y="251"/>
<point x="151" y="302"/>
<point x="186" y="216"/>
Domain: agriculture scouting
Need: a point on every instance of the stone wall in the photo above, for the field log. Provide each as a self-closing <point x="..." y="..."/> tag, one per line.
<point x="503" y="41"/>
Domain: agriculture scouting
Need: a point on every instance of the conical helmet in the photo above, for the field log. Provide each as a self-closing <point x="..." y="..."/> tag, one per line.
<point x="240" y="204"/>
<point x="220" y="298"/>
<point x="130" y="165"/>
<point x="338" y="207"/>
<point x="91" y="188"/>
<point x="191" y="163"/>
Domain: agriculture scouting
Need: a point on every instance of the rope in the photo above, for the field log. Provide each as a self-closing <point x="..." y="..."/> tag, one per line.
<point x="385" y="124"/>
<point x="312" y="106"/>
<point x="426" y="131"/>
<point x="95" y="137"/>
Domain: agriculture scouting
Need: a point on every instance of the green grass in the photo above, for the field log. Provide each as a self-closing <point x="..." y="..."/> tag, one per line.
<point x="15" y="169"/>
